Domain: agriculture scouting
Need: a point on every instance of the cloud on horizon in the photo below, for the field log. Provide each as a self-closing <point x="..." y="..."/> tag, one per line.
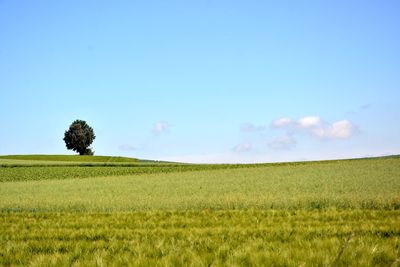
<point x="316" y="127"/>
<point x="313" y="126"/>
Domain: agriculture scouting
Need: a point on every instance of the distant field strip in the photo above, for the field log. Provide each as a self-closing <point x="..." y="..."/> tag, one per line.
<point x="203" y="238"/>
<point x="56" y="172"/>
<point x="364" y="184"/>
<point x="73" y="158"/>
<point x="25" y="170"/>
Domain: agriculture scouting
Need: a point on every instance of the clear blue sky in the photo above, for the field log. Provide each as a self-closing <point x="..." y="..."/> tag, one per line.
<point x="202" y="81"/>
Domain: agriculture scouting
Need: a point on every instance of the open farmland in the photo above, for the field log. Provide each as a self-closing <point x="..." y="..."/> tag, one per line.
<point x="67" y="158"/>
<point x="148" y="213"/>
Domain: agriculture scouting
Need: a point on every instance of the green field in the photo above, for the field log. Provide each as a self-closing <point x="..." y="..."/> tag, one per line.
<point x="328" y="213"/>
<point x="69" y="158"/>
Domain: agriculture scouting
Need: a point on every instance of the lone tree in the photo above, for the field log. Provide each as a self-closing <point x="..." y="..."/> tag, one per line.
<point x="79" y="137"/>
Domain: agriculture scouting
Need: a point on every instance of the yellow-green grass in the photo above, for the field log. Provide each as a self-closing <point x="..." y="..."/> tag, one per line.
<point x="201" y="238"/>
<point x="365" y="184"/>
<point x="73" y="158"/>
<point x="334" y="213"/>
<point x="22" y="172"/>
<point x="12" y="163"/>
<point x="25" y="163"/>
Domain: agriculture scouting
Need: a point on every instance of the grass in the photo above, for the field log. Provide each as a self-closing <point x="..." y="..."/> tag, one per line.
<point x="201" y="238"/>
<point x="22" y="171"/>
<point x="69" y="158"/>
<point x="330" y="213"/>
<point x="368" y="184"/>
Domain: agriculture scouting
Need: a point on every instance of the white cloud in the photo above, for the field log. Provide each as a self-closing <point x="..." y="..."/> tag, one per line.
<point x="282" y="122"/>
<point x="315" y="126"/>
<point x="244" y="147"/>
<point x="249" y="127"/>
<point x="309" y="122"/>
<point x="127" y="147"/>
<point x="337" y="130"/>
<point x="283" y="142"/>
<point x="160" y="127"/>
<point x="293" y="128"/>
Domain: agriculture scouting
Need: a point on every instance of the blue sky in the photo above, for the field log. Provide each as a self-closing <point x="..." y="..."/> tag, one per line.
<point x="202" y="81"/>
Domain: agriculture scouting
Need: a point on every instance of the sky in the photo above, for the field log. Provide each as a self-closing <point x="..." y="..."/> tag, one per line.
<point x="202" y="81"/>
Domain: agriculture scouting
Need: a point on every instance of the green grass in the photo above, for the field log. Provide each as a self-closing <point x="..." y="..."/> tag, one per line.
<point x="368" y="184"/>
<point x="201" y="238"/>
<point x="26" y="171"/>
<point x="329" y="213"/>
<point x="69" y="158"/>
<point x="74" y="160"/>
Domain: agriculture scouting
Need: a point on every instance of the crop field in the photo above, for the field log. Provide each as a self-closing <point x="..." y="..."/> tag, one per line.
<point x="105" y="213"/>
<point x="69" y="158"/>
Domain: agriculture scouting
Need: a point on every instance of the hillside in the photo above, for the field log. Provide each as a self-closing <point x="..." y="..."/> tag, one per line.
<point x="61" y="211"/>
<point x="363" y="183"/>
<point x="70" y="158"/>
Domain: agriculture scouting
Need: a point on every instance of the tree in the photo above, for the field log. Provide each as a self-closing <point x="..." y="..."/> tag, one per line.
<point x="79" y="137"/>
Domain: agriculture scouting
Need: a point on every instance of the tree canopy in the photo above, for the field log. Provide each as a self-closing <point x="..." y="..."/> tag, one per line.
<point x="79" y="137"/>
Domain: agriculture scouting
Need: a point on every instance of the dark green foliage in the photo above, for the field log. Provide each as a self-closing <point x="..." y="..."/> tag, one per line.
<point x="79" y="137"/>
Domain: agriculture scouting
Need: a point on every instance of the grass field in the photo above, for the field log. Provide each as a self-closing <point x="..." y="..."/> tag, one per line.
<point x="232" y="238"/>
<point x="69" y="158"/>
<point x="332" y="213"/>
